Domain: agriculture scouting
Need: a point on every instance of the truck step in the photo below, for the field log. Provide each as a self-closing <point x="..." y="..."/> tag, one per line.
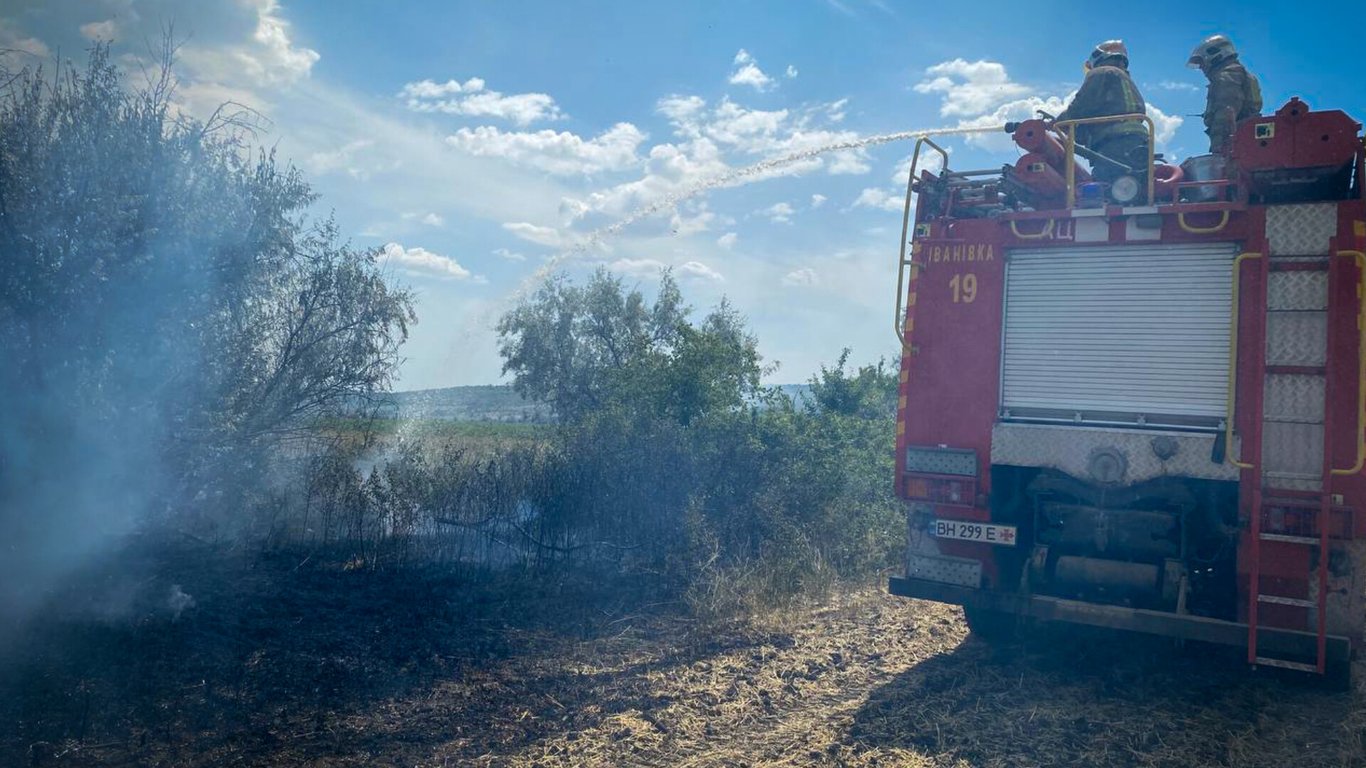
<point x="1278" y="600"/>
<point x="1306" y="540"/>
<point x="1298" y="666"/>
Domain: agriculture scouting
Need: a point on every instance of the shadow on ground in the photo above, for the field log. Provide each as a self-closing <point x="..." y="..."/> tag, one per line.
<point x="285" y="658"/>
<point x="1091" y="697"/>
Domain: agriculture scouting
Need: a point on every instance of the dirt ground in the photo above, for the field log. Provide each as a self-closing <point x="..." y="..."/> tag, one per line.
<point x="300" y="665"/>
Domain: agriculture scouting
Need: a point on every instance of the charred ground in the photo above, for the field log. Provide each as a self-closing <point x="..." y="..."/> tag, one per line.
<point x="287" y="661"/>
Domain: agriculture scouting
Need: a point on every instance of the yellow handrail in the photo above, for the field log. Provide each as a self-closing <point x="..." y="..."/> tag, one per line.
<point x="1071" y="162"/>
<point x="1041" y="234"/>
<point x="1233" y="361"/>
<point x="898" y="320"/>
<point x="1360" y="258"/>
<point x="1181" y="220"/>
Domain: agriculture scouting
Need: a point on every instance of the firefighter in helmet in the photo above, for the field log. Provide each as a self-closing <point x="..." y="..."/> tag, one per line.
<point x="1108" y="90"/>
<point x="1234" y="94"/>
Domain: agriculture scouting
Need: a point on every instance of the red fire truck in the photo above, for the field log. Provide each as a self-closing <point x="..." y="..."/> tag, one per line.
<point x="1142" y="405"/>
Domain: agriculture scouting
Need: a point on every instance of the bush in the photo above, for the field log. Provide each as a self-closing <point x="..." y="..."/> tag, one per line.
<point x="726" y="489"/>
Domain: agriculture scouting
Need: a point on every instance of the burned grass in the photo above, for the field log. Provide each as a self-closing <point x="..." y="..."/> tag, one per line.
<point x="286" y="662"/>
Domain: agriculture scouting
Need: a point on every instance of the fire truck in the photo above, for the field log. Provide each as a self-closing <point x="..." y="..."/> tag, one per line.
<point x="1141" y="405"/>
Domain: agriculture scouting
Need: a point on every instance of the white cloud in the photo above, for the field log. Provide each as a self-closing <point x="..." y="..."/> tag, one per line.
<point x="100" y="30"/>
<point x="341" y="158"/>
<point x="970" y="88"/>
<point x="277" y="57"/>
<point x="747" y="72"/>
<point x="638" y="267"/>
<point x="548" y="236"/>
<point x="431" y="219"/>
<point x="693" y="221"/>
<point x="767" y="132"/>
<point x="424" y="262"/>
<point x="504" y="253"/>
<point x="791" y="71"/>
<point x="17" y="49"/>
<point x="818" y="200"/>
<point x="472" y="98"/>
<point x="669" y="169"/>
<point x="874" y="197"/>
<point x="1173" y="85"/>
<point x="700" y="271"/>
<point x="751" y="130"/>
<point x="779" y="213"/>
<point x="847" y="164"/>
<point x="572" y="209"/>
<point x="727" y="241"/>
<point x="801" y="277"/>
<point x="561" y="153"/>
<point x="1164" y="125"/>
<point x="269" y="59"/>
<point x="681" y="110"/>
<point x="835" y="110"/>
<point x="649" y="268"/>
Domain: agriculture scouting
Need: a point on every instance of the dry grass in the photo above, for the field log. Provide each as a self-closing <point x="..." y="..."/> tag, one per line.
<point x="392" y="671"/>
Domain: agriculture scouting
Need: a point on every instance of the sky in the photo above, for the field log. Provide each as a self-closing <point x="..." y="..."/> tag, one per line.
<point x="479" y="145"/>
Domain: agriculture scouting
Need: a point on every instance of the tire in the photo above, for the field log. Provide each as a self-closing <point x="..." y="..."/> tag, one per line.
<point x="992" y="626"/>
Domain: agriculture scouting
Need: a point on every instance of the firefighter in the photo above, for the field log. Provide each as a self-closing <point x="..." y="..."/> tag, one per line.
<point x="1108" y="90"/>
<point x="1234" y="94"/>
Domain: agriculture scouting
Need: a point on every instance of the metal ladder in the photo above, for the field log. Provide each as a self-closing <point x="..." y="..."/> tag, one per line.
<point x="1292" y="503"/>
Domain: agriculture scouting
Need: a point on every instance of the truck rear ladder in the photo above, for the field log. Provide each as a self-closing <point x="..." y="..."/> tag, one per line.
<point x="1292" y="502"/>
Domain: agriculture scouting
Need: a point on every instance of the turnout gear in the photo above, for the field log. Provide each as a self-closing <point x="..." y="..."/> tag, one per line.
<point x="1108" y="90"/>
<point x="1234" y="94"/>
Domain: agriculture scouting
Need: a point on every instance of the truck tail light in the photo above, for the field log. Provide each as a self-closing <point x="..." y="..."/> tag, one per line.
<point x="940" y="474"/>
<point x="941" y="490"/>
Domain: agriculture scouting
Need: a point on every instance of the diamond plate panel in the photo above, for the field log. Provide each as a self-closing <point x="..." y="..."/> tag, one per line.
<point x="1291" y="482"/>
<point x="1296" y="338"/>
<point x="1069" y="448"/>
<point x="1300" y="230"/>
<point x="1293" y="450"/>
<point x="941" y="461"/>
<point x="1294" y="397"/>
<point x="948" y="570"/>
<point x="1297" y="290"/>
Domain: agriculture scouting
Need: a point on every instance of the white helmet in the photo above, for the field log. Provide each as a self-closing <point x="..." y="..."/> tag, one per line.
<point x="1213" y="50"/>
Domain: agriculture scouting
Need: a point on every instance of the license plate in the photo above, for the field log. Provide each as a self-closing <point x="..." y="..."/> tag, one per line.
<point x="983" y="532"/>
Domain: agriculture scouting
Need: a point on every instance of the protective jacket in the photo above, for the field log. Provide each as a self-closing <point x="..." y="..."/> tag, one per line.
<point x="1107" y="90"/>
<point x="1234" y="95"/>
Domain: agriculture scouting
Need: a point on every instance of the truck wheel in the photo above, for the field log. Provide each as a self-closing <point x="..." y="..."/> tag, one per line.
<point x="1337" y="675"/>
<point x="991" y="626"/>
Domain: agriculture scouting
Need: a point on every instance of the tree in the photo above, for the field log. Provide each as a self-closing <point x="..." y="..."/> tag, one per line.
<point x="871" y="391"/>
<point x="167" y="309"/>
<point x="599" y="346"/>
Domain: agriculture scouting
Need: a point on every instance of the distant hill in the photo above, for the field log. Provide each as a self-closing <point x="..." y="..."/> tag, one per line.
<point x="489" y="402"/>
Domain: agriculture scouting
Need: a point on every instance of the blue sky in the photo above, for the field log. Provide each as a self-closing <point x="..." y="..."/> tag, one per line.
<point x="473" y="140"/>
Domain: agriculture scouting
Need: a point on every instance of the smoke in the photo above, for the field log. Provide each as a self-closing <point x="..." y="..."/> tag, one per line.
<point x="178" y="602"/>
<point x="167" y="318"/>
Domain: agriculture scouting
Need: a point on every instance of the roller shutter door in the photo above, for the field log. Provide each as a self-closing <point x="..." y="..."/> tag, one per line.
<point x="1118" y="334"/>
